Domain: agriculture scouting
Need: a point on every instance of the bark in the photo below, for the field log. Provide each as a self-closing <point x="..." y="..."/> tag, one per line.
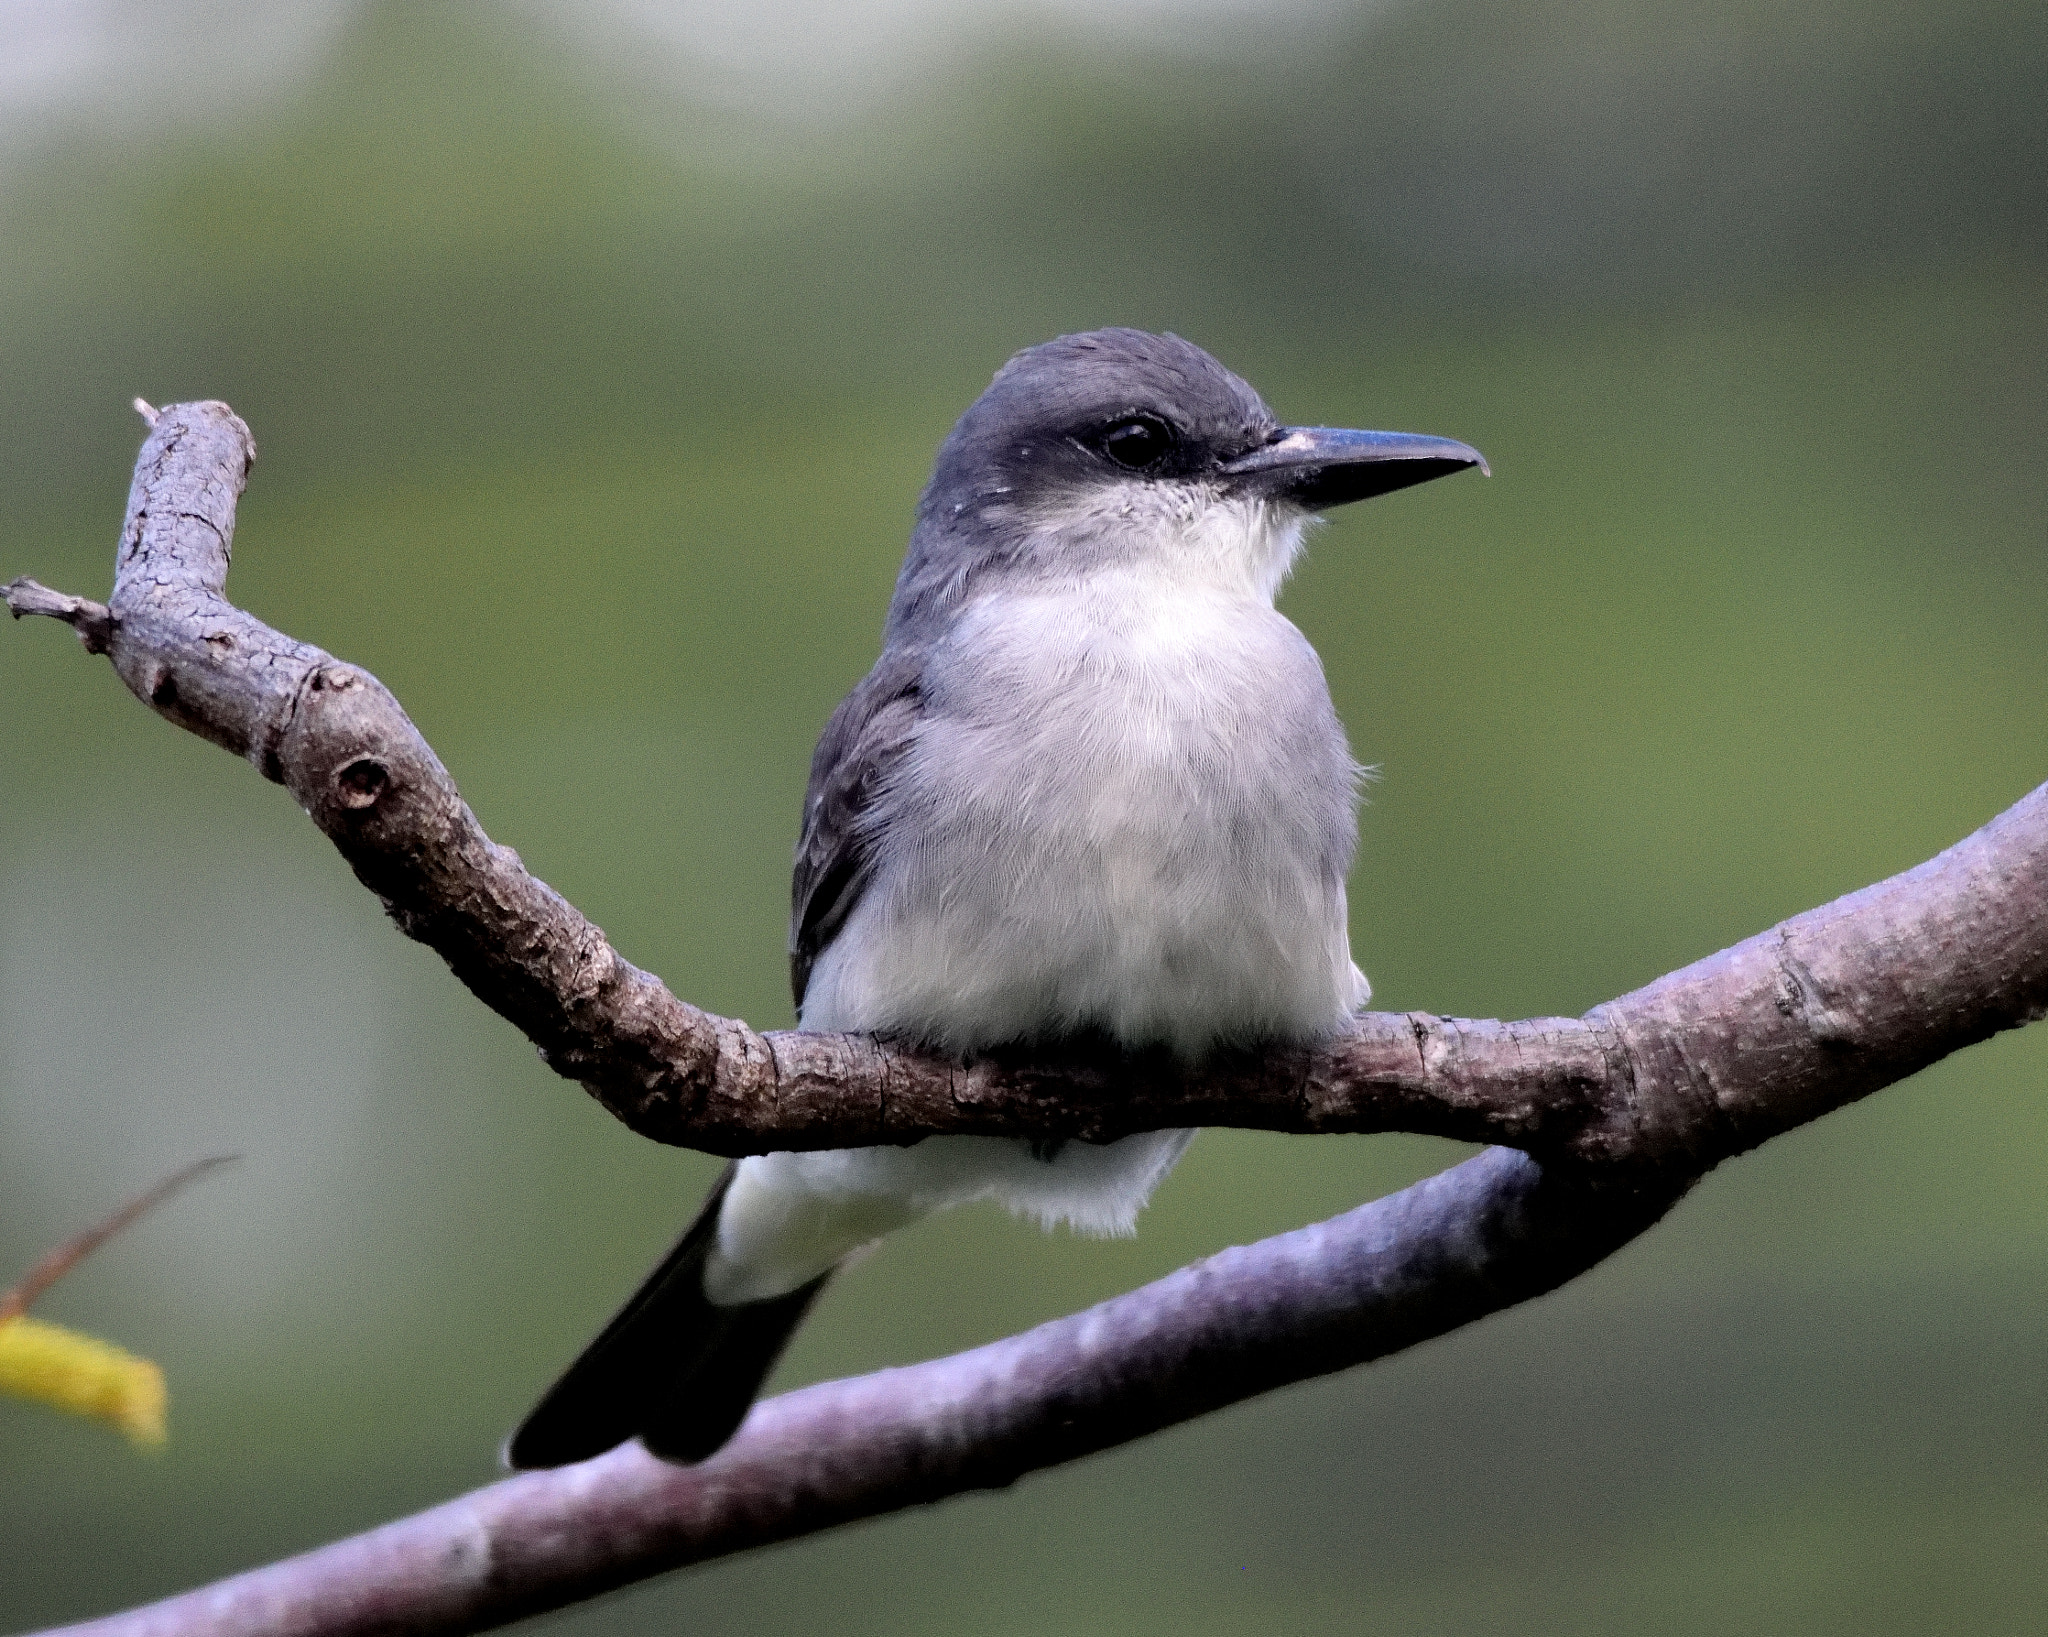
<point x="1607" y="1120"/>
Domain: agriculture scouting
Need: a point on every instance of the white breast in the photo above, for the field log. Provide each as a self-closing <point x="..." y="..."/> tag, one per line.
<point x="1129" y="808"/>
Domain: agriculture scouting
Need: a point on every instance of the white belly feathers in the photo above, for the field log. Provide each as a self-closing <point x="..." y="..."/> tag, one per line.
<point x="1089" y="832"/>
<point x="1103" y="782"/>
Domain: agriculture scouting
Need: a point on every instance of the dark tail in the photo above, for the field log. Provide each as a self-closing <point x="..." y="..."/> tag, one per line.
<point x="671" y="1369"/>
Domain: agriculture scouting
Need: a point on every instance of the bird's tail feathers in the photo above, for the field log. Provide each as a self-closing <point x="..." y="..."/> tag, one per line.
<point x="672" y="1368"/>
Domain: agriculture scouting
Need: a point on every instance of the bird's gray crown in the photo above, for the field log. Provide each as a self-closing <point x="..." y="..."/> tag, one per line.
<point x="1038" y="476"/>
<point x="1071" y="415"/>
<point x="1095" y="408"/>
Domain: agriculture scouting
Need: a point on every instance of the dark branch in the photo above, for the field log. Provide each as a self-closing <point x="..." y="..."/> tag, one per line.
<point x="1810" y="1015"/>
<point x="1623" y="1109"/>
<point x="1493" y="1231"/>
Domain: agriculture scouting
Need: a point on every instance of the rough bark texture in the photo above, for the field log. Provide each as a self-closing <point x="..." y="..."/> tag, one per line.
<point x="1616" y="1114"/>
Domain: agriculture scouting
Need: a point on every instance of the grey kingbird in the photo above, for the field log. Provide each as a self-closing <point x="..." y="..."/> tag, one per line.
<point x="1094" y="788"/>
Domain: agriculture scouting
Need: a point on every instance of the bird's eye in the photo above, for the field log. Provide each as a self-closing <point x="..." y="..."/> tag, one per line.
<point x="1138" y="442"/>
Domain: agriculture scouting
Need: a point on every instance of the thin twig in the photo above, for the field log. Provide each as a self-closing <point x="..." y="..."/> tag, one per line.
<point x="81" y="1245"/>
<point x="92" y="621"/>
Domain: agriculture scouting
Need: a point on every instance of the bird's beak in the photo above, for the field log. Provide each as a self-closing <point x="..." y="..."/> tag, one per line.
<point x="1324" y="466"/>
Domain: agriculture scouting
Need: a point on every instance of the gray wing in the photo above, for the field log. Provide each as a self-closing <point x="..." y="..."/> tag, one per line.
<point x="863" y="742"/>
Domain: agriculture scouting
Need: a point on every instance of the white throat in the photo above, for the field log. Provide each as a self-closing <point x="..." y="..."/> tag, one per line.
<point x="1174" y="535"/>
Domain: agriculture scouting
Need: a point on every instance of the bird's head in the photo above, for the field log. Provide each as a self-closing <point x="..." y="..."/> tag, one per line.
<point x="1121" y="450"/>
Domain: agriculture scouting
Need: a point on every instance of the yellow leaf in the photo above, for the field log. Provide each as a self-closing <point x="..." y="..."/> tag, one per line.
<point x="83" y="1376"/>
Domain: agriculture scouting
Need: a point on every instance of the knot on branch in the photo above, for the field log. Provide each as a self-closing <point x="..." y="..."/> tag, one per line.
<point x="360" y="783"/>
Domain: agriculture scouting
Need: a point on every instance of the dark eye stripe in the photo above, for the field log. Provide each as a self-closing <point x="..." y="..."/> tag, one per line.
<point x="1138" y="442"/>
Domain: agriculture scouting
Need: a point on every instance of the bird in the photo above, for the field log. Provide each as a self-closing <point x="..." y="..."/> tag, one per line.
<point x="1093" y="789"/>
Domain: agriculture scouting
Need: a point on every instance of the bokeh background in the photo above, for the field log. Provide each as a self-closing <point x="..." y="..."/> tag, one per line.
<point x="597" y="352"/>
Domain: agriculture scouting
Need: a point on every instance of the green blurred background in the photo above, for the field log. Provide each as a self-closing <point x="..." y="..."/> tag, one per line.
<point x="597" y="353"/>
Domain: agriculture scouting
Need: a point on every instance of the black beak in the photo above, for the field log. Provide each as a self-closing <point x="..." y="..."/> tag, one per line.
<point x="1324" y="466"/>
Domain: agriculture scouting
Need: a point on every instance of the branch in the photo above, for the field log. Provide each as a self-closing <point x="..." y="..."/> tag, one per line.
<point x="1617" y="1112"/>
<point x="1496" y="1230"/>
<point x="91" y="620"/>
<point x="338" y="740"/>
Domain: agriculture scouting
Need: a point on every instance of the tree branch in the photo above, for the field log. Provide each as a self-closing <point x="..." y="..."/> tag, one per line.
<point x="1622" y="1110"/>
<point x="1495" y="1230"/>
<point x="337" y="739"/>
